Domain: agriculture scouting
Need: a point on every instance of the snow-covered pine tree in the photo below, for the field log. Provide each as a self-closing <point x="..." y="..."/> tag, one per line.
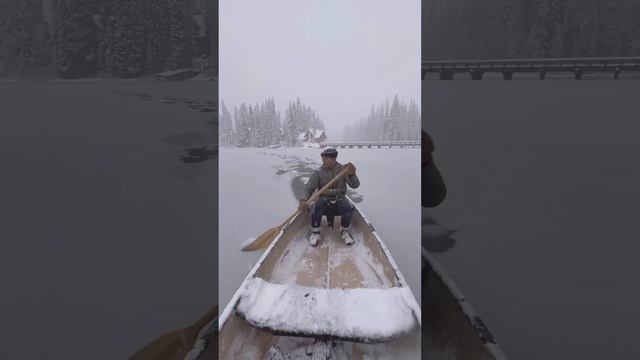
<point x="511" y="30"/>
<point x="251" y="125"/>
<point x="274" y="122"/>
<point x="401" y="121"/>
<point x="540" y="34"/>
<point x="226" y="127"/>
<point x="403" y="131"/>
<point x="11" y="42"/>
<point x="618" y="35"/>
<point x="301" y="126"/>
<point x="156" y="24"/>
<point x="587" y="31"/>
<point x="211" y="29"/>
<point x="236" y="120"/>
<point x="556" y="28"/>
<point x="289" y="126"/>
<point x="414" y="121"/>
<point x="280" y="129"/>
<point x="393" y="120"/>
<point x="129" y="39"/>
<point x="25" y="29"/>
<point x="75" y="39"/>
<point x="243" y="130"/>
<point x="24" y="36"/>
<point x="106" y="37"/>
<point x="260" y="126"/>
<point x="364" y="132"/>
<point x="181" y="35"/>
<point x="63" y="61"/>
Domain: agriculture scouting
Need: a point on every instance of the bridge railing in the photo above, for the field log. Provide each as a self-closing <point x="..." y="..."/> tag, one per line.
<point x="476" y="68"/>
<point x="370" y="144"/>
<point x="609" y="61"/>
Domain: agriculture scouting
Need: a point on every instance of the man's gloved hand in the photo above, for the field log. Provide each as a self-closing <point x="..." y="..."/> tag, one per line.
<point x="302" y="206"/>
<point x="352" y="169"/>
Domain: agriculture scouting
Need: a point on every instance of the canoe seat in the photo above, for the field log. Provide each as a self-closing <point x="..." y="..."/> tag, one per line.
<point x="368" y="315"/>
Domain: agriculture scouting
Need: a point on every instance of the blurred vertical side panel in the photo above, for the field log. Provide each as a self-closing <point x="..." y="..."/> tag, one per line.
<point x="109" y="179"/>
<point x="451" y="328"/>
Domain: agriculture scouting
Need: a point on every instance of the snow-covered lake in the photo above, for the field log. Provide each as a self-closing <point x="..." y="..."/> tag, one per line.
<point x="257" y="193"/>
<point x="544" y="185"/>
<point x="107" y="240"/>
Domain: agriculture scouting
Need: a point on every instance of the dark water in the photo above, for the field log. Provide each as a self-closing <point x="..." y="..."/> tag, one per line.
<point x="544" y="185"/>
<point x="107" y="238"/>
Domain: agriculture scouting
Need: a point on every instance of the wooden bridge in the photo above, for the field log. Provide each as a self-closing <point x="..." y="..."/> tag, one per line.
<point x="508" y="67"/>
<point x="372" y="144"/>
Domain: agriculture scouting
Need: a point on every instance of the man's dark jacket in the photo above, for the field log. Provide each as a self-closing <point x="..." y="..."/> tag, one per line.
<point x="434" y="190"/>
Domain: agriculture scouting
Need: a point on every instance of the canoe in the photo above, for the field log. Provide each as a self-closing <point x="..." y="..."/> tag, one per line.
<point x="339" y="302"/>
<point x="202" y="151"/>
<point x="179" y="74"/>
<point x="346" y="301"/>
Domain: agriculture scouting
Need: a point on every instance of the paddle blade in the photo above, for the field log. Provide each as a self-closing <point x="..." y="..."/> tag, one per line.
<point x="263" y="240"/>
<point x="176" y="344"/>
<point x="169" y="346"/>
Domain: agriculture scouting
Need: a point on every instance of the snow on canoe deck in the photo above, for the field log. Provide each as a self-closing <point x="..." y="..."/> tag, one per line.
<point x="362" y="314"/>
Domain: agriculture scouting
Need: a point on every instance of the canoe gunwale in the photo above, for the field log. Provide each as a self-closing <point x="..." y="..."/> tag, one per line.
<point x="387" y="253"/>
<point x="236" y="296"/>
<point x="472" y="317"/>
<point x="206" y="335"/>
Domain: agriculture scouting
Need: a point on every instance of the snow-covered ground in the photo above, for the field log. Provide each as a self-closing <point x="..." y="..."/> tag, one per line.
<point x="257" y="192"/>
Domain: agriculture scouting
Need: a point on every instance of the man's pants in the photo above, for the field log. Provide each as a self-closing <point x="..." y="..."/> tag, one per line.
<point x="342" y="207"/>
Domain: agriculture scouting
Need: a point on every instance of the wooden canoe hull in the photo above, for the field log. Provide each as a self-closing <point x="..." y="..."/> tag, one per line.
<point x="331" y="266"/>
<point x="451" y="328"/>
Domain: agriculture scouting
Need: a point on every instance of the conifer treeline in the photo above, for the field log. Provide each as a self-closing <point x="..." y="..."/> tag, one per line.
<point x="23" y="36"/>
<point x="470" y="29"/>
<point x="261" y="124"/>
<point x="122" y="38"/>
<point x="387" y="123"/>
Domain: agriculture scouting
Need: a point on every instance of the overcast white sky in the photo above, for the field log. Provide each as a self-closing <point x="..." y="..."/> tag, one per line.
<point x="337" y="56"/>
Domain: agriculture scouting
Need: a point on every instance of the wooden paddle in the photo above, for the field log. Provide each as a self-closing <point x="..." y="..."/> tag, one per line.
<point x="176" y="344"/>
<point x="268" y="236"/>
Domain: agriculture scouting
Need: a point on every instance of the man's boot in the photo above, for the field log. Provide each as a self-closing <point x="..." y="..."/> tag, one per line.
<point x="346" y="237"/>
<point x="314" y="237"/>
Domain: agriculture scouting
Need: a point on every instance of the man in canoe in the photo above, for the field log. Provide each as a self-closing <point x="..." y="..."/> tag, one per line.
<point x="332" y="201"/>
